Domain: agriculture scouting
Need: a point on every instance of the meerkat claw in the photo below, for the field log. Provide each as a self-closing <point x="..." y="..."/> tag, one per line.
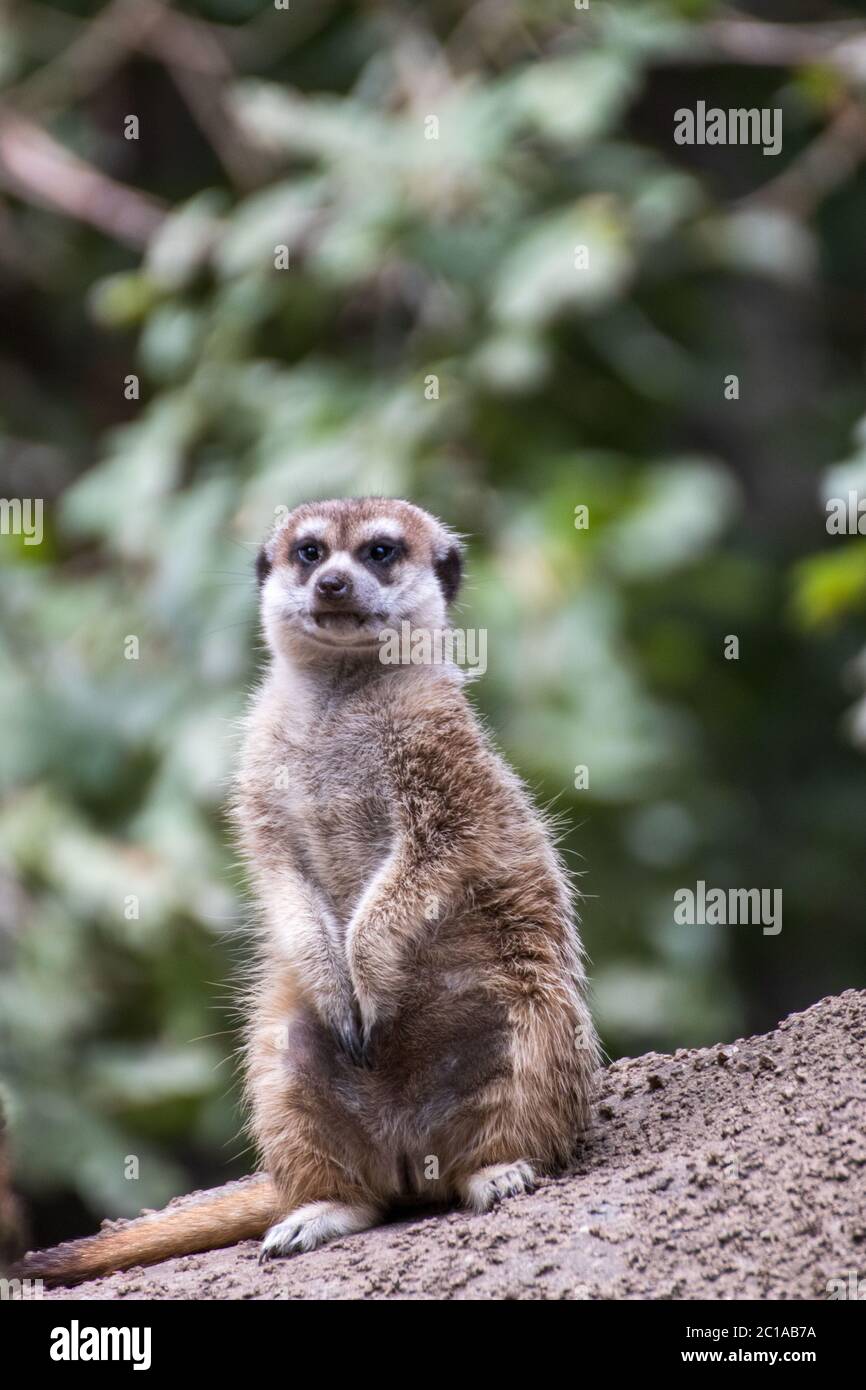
<point x="489" y="1186"/>
<point x="313" y="1225"/>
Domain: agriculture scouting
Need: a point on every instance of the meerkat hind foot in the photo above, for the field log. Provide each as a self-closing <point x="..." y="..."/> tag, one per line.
<point x="487" y="1187"/>
<point x="306" y="1228"/>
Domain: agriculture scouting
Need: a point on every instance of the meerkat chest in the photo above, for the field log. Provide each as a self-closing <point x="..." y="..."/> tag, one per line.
<point x="334" y="810"/>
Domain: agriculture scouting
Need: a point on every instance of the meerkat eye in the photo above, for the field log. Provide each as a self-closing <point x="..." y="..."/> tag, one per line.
<point x="382" y="552"/>
<point x="309" y="553"/>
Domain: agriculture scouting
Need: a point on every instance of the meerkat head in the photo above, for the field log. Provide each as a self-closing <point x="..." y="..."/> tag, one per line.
<point x="334" y="575"/>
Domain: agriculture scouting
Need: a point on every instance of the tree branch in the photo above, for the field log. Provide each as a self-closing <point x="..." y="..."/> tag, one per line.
<point x="34" y="166"/>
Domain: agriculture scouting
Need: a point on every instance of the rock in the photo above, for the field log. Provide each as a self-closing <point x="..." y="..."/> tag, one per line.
<point x="704" y="1197"/>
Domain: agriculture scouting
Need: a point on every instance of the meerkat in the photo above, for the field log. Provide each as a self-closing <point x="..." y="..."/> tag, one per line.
<point x="417" y="1021"/>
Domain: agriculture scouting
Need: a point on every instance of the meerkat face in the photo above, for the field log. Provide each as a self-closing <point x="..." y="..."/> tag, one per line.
<point x="335" y="574"/>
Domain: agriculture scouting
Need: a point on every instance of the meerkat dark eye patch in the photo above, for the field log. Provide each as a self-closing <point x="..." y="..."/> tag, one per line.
<point x="307" y="551"/>
<point x="449" y="571"/>
<point x="263" y="566"/>
<point x="383" y="552"/>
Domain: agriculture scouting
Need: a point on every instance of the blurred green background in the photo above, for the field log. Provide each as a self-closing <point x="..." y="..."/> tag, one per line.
<point x="411" y="257"/>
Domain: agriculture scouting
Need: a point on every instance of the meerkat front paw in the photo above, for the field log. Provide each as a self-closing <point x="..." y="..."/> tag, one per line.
<point x="308" y="1227"/>
<point x="487" y="1187"/>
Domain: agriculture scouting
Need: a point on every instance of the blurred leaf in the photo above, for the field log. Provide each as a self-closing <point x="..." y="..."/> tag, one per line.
<point x="830" y="585"/>
<point x="540" y="279"/>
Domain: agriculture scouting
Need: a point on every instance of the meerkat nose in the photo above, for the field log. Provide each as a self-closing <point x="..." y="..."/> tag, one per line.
<point x="334" y="586"/>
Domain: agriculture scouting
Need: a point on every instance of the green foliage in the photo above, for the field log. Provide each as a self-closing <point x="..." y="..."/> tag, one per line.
<point x="558" y="386"/>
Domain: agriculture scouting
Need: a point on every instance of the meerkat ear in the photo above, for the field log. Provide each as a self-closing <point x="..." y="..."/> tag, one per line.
<point x="263" y="566"/>
<point x="448" y="566"/>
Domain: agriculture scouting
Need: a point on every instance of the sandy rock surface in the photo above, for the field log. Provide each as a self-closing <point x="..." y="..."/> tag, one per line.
<point x="736" y="1171"/>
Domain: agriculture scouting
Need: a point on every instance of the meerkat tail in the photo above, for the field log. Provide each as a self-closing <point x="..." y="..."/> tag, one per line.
<point x="221" y="1216"/>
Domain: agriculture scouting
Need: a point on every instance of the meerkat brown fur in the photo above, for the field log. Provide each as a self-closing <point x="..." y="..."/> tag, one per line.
<point x="417" y="1027"/>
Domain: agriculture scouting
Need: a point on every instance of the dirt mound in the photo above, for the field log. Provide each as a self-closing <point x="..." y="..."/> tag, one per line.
<point x="735" y="1171"/>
